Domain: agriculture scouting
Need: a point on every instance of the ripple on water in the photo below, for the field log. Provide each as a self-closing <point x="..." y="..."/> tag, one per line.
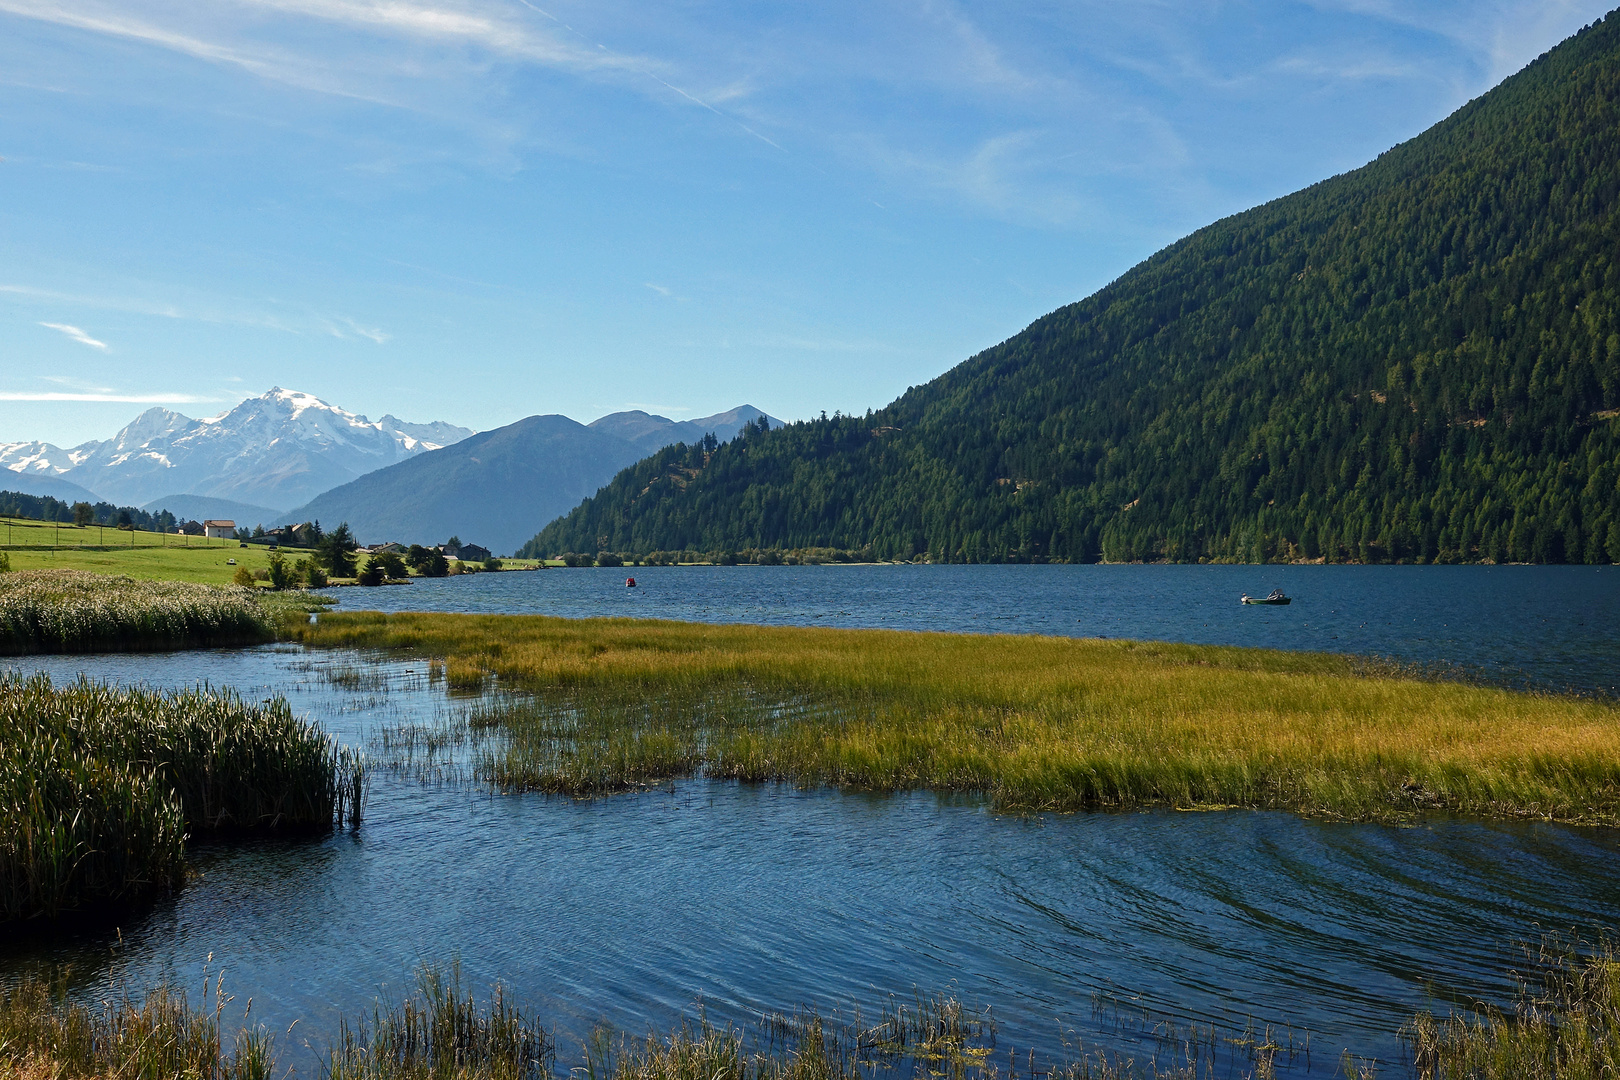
<point x="750" y="898"/>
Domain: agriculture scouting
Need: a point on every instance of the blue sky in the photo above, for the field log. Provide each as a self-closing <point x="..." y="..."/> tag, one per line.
<point x="477" y="210"/>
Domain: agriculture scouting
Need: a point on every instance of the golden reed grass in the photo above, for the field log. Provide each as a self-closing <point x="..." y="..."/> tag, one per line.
<point x="1036" y="723"/>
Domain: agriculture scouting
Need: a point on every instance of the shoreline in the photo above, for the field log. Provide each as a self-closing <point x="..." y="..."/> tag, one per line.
<point x="1034" y="722"/>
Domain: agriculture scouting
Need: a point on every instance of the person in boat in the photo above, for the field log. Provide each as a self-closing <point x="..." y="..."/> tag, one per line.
<point x="1276" y="594"/>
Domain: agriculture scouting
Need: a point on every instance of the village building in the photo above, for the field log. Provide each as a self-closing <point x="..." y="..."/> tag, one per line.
<point x="220" y="529"/>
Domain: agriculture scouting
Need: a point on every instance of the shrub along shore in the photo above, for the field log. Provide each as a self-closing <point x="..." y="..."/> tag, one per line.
<point x="100" y="786"/>
<point x="1036" y="723"/>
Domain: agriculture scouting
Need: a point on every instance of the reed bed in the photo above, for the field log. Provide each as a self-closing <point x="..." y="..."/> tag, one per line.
<point x="45" y="1036"/>
<point x="441" y="1031"/>
<point x="1566" y="1024"/>
<point x="1565" y="1027"/>
<point x="100" y="786"/>
<point x="1035" y="723"/>
<point x="935" y="1037"/>
<point x="78" y="611"/>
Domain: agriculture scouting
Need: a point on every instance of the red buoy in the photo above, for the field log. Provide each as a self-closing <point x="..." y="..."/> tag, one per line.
<point x="629" y="582"/>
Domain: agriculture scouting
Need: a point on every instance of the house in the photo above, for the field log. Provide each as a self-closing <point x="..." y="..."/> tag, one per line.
<point x="472" y="553"/>
<point x="222" y="529"/>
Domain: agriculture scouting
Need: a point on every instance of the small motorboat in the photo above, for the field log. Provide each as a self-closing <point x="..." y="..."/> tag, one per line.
<point x="1276" y="597"/>
<point x="629" y="582"/>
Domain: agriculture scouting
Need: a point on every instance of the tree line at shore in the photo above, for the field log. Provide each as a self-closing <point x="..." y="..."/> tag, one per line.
<point x="47" y="508"/>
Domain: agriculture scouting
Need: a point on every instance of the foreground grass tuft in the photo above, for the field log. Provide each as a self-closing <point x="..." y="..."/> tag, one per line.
<point x="442" y="1031"/>
<point x="1036" y="723"/>
<point x="43" y="1036"/>
<point x="78" y="611"/>
<point x="1566" y="1024"/>
<point x="1566" y="1027"/>
<point x="100" y="786"/>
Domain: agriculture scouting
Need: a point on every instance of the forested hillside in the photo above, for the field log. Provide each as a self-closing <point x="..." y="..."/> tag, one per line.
<point x="1418" y="360"/>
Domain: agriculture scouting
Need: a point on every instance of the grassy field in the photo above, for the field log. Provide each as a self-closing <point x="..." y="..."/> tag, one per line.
<point x="1034" y="722"/>
<point x="100" y="786"/>
<point x="40" y="545"/>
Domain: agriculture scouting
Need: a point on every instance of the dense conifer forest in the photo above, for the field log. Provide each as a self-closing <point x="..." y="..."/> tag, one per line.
<point x="1416" y="361"/>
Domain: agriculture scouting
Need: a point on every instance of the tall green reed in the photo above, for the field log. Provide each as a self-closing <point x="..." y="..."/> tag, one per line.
<point x="440" y="1030"/>
<point x="100" y="786"/>
<point x="78" y="611"/>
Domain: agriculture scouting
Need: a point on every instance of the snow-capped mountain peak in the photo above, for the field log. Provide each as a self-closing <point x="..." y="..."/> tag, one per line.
<point x="35" y="459"/>
<point x="280" y="449"/>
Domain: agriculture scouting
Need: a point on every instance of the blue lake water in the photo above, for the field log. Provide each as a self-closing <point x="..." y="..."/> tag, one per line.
<point x="637" y="909"/>
<point x="1553" y="627"/>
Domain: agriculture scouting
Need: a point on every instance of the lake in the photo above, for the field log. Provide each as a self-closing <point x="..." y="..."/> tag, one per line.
<point x="1551" y="627"/>
<point x="1075" y="929"/>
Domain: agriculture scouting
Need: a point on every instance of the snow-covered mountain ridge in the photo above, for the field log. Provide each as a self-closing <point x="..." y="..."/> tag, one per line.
<point x="277" y="450"/>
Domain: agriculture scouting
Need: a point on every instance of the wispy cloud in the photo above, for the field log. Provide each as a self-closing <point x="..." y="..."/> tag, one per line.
<point x="104" y="303"/>
<point x="77" y="335"/>
<point x="346" y="328"/>
<point x="1016" y="175"/>
<point x="818" y="344"/>
<point x="137" y="399"/>
<point x="661" y="290"/>
<point x="230" y="33"/>
<point x="1352" y="68"/>
<point x="111" y="22"/>
<point x="221" y="311"/>
<point x="78" y="385"/>
<point x="1503" y="35"/>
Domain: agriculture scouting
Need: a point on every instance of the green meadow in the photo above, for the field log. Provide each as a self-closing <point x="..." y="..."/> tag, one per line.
<point x="1034" y="723"/>
<point x="43" y="545"/>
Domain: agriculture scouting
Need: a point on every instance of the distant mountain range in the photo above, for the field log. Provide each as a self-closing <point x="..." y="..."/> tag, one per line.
<point x="1417" y="361"/>
<point x="498" y="487"/>
<point x="277" y="450"/>
<point x="390" y="480"/>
